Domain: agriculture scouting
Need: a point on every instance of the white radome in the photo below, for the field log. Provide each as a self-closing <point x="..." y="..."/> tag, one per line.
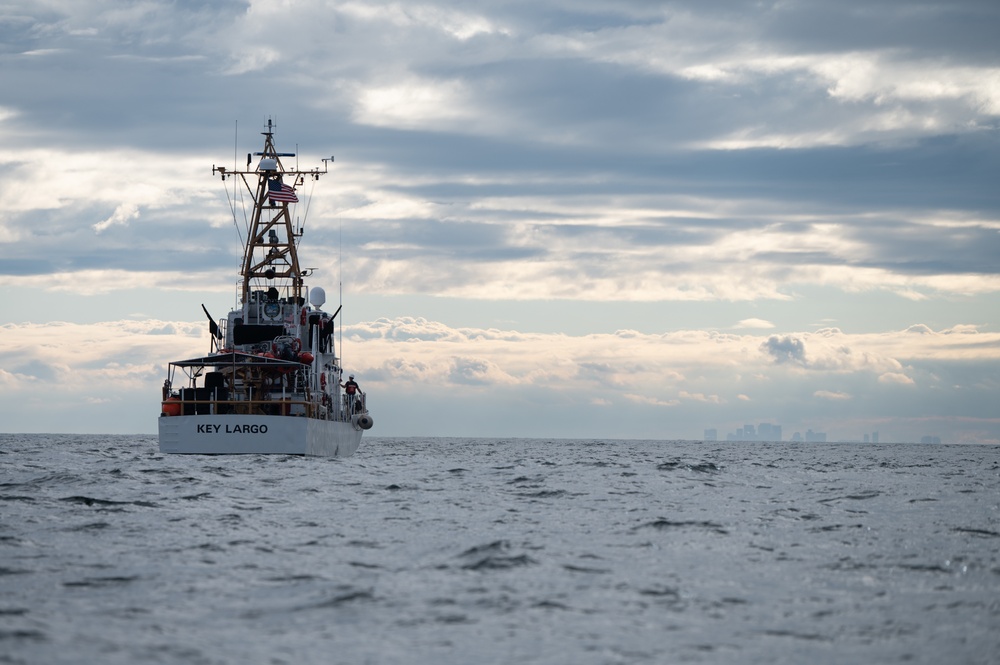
<point x="317" y="296"/>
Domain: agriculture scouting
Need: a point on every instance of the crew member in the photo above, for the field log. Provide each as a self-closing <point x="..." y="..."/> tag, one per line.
<point x="352" y="390"/>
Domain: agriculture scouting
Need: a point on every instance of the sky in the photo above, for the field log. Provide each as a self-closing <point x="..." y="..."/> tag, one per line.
<point x="574" y="219"/>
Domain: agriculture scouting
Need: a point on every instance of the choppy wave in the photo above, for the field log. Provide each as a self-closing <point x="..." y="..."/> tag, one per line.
<point x="499" y="551"/>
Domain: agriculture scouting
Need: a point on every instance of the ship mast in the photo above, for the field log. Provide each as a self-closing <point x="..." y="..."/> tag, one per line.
<point x="270" y="259"/>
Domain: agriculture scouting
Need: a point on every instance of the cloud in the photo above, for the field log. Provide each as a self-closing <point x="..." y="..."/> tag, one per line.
<point x="14" y="382"/>
<point x="91" y="282"/>
<point x="415" y="104"/>
<point x="754" y="323"/>
<point x="700" y="397"/>
<point x="895" y="378"/>
<point x="478" y="372"/>
<point x="785" y="349"/>
<point x="121" y="216"/>
<point x="665" y="360"/>
<point x="650" y="400"/>
<point x="528" y="137"/>
<point x="831" y="395"/>
<point x="413" y="362"/>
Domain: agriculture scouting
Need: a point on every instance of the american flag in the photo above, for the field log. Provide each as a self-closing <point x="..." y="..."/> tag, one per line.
<point x="279" y="191"/>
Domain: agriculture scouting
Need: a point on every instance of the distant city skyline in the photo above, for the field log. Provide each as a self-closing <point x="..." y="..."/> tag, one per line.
<point x="767" y="431"/>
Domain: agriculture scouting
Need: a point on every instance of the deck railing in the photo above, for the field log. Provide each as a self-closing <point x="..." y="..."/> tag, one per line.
<point x="176" y="406"/>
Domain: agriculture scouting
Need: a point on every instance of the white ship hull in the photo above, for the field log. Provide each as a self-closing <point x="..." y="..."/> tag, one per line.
<point x="231" y="434"/>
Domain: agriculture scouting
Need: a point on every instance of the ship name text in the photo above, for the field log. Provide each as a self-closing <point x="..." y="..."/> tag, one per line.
<point x="209" y="428"/>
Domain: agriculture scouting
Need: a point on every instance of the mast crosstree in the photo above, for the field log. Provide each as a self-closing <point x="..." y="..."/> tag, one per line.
<point x="270" y="259"/>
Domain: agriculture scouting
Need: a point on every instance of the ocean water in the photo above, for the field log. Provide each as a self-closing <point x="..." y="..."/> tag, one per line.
<point x="500" y="551"/>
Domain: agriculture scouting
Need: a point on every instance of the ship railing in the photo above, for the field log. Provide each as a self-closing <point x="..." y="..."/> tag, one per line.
<point x="177" y="406"/>
<point x="353" y="404"/>
<point x="212" y="401"/>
